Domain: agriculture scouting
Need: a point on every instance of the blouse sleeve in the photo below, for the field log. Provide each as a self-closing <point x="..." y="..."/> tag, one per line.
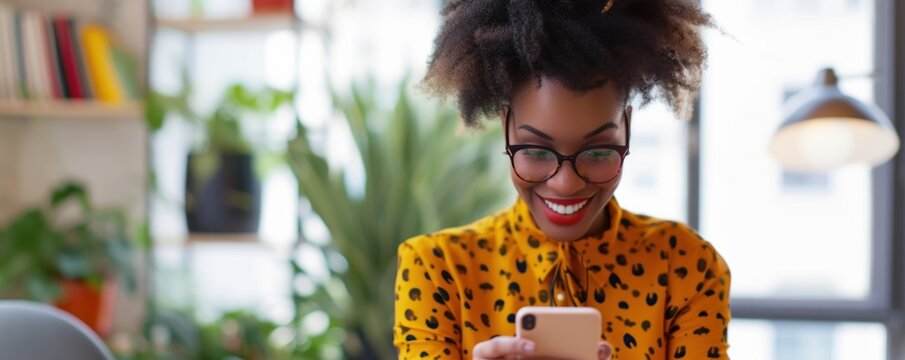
<point x="424" y="326"/>
<point x="698" y="314"/>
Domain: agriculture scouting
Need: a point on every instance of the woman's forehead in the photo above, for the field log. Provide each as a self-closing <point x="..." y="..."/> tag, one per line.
<point x="555" y="108"/>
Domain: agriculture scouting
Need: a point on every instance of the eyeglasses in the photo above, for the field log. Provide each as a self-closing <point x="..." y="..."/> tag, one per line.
<point x="597" y="164"/>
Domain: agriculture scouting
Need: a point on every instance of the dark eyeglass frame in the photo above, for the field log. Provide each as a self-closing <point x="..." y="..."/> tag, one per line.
<point x="623" y="151"/>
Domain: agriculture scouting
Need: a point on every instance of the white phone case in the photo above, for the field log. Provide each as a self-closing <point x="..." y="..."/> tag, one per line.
<point x="561" y="332"/>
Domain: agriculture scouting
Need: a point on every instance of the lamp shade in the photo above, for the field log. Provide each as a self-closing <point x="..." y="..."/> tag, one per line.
<point x="824" y="129"/>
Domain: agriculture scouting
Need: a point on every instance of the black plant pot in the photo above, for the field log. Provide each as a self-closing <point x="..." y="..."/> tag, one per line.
<point x="227" y="199"/>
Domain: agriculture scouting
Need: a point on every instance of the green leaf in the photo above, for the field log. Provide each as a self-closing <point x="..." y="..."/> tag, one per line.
<point x="35" y="251"/>
<point x="143" y="236"/>
<point x="73" y="265"/>
<point x="203" y="165"/>
<point x="155" y="112"/>
<point x="68" y="191"/>
<point x="268" y="161"/>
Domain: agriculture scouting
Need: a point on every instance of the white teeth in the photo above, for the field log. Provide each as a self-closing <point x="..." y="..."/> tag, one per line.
<point x="565" y="209"/>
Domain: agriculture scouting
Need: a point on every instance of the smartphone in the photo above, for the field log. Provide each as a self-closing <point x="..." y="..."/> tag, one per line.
<point x="560" y="332"/>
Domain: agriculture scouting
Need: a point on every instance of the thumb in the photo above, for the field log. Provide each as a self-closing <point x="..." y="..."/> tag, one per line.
<point x="605" y="351"/>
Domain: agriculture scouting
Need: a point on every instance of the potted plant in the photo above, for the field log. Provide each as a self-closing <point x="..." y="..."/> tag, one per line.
<point x="422" y="173"/>
<point x="222" y="190"/>
<point x="76" y="262"/>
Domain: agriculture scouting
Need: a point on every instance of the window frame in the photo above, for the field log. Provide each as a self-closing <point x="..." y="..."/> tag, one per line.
<point x="886" y="300"/>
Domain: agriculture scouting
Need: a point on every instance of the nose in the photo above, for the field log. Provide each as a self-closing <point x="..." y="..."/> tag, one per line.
<point x="566" y="181"/>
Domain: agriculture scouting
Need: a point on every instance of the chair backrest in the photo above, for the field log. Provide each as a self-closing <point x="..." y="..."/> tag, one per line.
<point x="36" y="331"/>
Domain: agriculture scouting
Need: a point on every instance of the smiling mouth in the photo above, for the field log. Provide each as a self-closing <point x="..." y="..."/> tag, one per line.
<point x="563" y="209"/>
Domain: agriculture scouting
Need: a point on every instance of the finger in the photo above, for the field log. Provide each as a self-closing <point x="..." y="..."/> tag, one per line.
<point x="605" y="351"/>
<point x="502" y="346"/>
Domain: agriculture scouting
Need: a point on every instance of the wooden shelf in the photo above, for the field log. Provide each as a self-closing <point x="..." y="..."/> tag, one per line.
<point x="82" y="109"/>
<point x="257" y="22"/>
<point x="226" y="240"/>
<point x="238" y="238"/>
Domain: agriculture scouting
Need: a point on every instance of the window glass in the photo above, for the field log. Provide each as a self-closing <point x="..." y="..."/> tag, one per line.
<point x="784" y="234"/>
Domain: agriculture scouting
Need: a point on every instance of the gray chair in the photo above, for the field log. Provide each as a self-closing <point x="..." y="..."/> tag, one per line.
<point x="32" y="331"/>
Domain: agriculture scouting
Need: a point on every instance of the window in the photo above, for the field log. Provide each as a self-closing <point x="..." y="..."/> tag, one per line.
<point x="785" y="235"/>
<point x="801" y="340"/>
<point x="654" y="177"/>
<point x="809" y="273"/>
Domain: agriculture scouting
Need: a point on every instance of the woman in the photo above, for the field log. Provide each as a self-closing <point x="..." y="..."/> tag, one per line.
<point x="559" y="74"/>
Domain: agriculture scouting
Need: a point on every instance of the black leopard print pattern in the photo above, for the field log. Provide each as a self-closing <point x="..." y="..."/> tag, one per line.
<point x="662" y="290"/>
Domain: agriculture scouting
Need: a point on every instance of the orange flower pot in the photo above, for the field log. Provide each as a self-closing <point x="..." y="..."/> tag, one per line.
<point x="93" y="306"/>
<point x="272" y="6"/>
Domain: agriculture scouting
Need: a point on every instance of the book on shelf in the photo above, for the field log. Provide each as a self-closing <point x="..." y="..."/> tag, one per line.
<point x="78" y="46"/>
<point x="19" y="56"/>
<point x="36" y="59"/>
<point x="66" y="47"/>
<point x="59" y="57"/>
<point x="7" y="61"/>
<point x="60" y="89"/>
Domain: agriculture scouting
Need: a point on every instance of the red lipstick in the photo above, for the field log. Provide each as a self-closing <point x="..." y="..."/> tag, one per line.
<point x="563" y="219"/>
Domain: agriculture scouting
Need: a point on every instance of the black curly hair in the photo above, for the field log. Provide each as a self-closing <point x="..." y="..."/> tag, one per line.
<point x="487" y="49"/>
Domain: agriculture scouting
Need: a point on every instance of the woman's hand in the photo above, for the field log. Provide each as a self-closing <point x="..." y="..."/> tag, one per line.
<point x="508" y="347"/>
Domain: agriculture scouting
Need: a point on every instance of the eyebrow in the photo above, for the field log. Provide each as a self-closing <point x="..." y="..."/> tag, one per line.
<point x="588" y="136"/>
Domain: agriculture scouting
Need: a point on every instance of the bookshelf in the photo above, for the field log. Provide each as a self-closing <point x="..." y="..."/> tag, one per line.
<point x="257" y="22"/>
<point x="68" y="60"/>
<point x="214" y="53"/>
<point x="193" y="34"/>
<point x="84" y="109"/>
<point x="100" y="143"/>
<point x="103" y="146"/>
<point x="236" y="238"/>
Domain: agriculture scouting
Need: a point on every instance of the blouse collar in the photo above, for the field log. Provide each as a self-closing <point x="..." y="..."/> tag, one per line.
<point x="543" y="254"/>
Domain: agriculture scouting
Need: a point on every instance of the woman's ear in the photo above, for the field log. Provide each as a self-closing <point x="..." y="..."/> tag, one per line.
<point x="504" y="113"/>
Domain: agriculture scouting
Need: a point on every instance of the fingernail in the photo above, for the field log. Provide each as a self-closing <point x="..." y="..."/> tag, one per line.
<point x="606" y="348"/>
<point x="528" y="346"/>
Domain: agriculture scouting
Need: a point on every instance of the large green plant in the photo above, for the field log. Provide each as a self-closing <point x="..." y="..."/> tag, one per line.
<point x="226" y="129"/>
<point x="40" y="247"/>
<point x="222" y="129"/>
<point x="423" y="172"/>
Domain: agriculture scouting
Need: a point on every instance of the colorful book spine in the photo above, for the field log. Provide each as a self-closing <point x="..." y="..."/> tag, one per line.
<point x="55" y="57"/>
<point x="127" y="70"/>
<point x="30" y="57"/>
<point x="100" y="65"/>
<point x="68" y="57"/>
<point x="49" y="54"/>
<point x="56" y="61"/>
<point x="75" y="30"/>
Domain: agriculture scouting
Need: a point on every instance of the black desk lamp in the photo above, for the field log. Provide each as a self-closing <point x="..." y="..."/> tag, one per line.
<point x="825" y="129"/>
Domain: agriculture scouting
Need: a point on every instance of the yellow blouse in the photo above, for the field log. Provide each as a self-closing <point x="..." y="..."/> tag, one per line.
<point x="662" y="290"/>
